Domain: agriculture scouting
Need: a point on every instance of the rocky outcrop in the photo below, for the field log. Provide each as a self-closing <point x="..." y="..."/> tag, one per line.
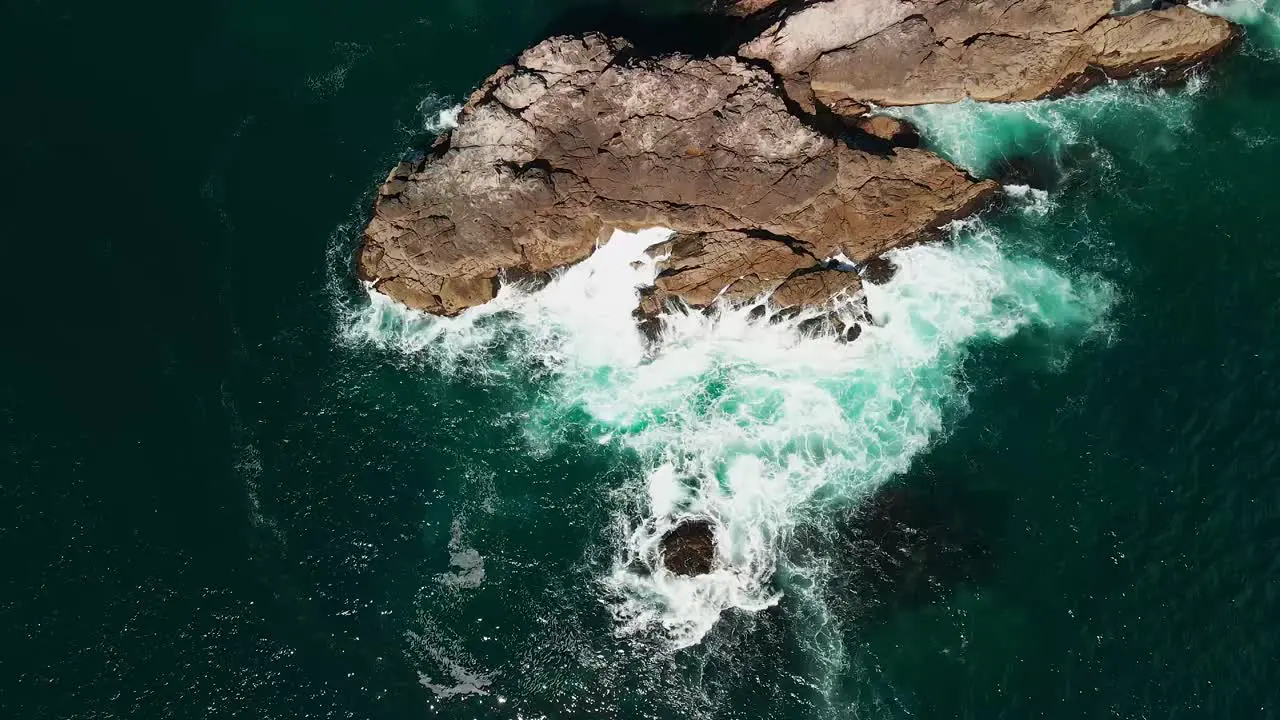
<point x="744" y="8"/>
<point x="690" y="547"/>
<point x="851" y="54"/>
<point x="578" y="138"/>
<point x="892" y="130"/>
<point x="738" y="266"/>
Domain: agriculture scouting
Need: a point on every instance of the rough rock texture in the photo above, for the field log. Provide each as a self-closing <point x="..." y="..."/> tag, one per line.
<point x="849" y="54"/>
<point x="577" y="139"/>
<point x="690" y="548"/>
<point x="739" y="266"/>
<point x="892" y="130"/>
<point x="749" y="7"/>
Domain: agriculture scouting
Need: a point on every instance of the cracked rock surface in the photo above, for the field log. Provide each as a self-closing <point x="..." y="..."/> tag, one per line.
<point x="851" y="54"/>
<point x="740" y="266"/>
<point x="580" y="137"/>
<point x="577" y="138"/>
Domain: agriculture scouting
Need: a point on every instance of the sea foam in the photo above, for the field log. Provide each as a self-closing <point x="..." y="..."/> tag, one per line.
<point x="981" y="136"/>
<point x="438" y="114"/>
<point x="1260" y="17"/>
<point x="738" y="417"/>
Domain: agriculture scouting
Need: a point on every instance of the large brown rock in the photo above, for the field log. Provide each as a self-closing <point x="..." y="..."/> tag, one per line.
<point x="737" y="266"/>
<point x="850" y="54"/>
<point x="690" y="547"/>
<point x="895" y="131"/>
<point x="575" y="140"/>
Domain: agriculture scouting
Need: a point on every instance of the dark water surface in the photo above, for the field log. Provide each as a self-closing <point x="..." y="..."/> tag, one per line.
<point x="214" y="505"/>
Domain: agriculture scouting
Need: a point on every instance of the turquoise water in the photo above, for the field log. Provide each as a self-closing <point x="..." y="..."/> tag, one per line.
<point x="237" y="485"/>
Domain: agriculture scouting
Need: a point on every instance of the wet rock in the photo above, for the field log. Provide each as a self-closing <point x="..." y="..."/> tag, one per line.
<point x="690" y="547"/>
<point x="784" y="315"/>
<point x="851" y="53"/>
<point x="832" y="324"/>
<point x="878" y="271"/>
<point x="815" y="326"/>
<point x="648" y="314"/>
<point x="650" y="327"/>
<point x="578" y="137"/>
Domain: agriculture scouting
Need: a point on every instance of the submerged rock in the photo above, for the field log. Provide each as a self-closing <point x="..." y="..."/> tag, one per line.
<point x="744" y="8"/>
<point x="578" y="138"/>
<point x="851" y="54"/>
<point x="907" y="550"/>
<point x="1038" y="171"/>
<point x="899" y="549"/>
<point x="690" y="547"/>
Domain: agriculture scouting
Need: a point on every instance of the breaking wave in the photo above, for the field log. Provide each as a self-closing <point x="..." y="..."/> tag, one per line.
<point x="735" y="415"/>
<point x="1261" y="18"/>
<point x="438" y="114"/>
<point x="1137" y="113"/>
<point x="983" y="137"/>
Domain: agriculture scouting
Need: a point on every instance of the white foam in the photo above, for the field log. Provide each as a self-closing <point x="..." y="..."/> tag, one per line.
<point x="1032" y="201"/>
<point x="1261" y="17"/>
<point x="438" y="115"/>
<point x="842" y="262"/>
<point x="978" y="136"/>
<point x="749" y="422"/>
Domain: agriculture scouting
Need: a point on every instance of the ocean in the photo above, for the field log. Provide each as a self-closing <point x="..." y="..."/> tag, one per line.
<point x="235" y="483"/>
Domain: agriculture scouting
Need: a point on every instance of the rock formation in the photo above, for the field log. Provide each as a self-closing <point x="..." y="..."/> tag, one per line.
<point x="690" y="548"/>
<point x="579" y="137"/>
<point x="739" y="266"/>
<point x="892" y="130"/>
<point x="851" y="54"/>
<point x="576" y="139"/>
<point x="744" y="8"/>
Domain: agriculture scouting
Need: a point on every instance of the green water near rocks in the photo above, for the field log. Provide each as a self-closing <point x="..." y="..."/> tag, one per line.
<point x="219" y="502"/>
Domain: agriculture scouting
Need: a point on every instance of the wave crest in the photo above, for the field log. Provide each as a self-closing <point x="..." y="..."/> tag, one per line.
<point x="736" y="416"/>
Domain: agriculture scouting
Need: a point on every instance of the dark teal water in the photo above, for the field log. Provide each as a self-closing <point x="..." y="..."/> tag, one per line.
<point x="216" y="505"/>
